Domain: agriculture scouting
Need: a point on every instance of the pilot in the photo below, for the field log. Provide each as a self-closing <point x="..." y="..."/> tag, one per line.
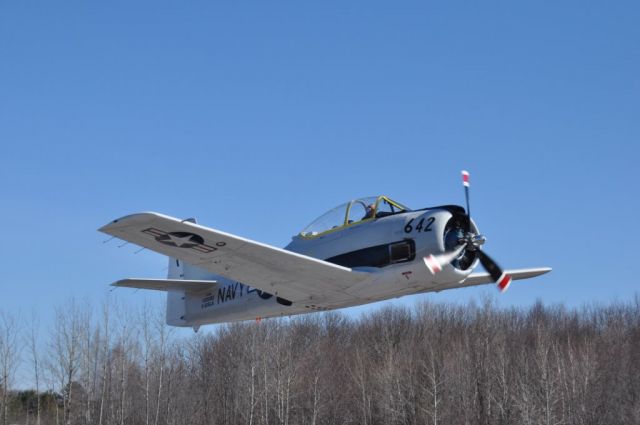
<point x="370" y="211"/>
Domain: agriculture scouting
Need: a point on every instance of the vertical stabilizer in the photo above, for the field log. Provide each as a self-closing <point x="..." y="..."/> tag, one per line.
<point x="176" y="300"/>
<point x="176" y="269"/>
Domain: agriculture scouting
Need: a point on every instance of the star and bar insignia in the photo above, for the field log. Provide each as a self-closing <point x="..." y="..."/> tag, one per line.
<point x="180" y="240"/>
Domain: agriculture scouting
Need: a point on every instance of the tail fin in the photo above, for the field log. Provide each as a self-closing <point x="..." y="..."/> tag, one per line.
<point x="176" y="300"/>
<point x="176" y="269"/>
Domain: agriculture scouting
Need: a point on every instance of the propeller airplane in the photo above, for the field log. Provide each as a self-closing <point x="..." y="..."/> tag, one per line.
<point x="363" y="251"/>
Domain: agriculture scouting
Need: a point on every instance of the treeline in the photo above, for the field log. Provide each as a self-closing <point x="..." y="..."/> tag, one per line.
<point x="433" y="364"/>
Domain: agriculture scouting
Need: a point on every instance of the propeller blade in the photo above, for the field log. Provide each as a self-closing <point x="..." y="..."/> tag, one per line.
<point x="501" y="278"/>
<point x="435" y="263"/>
<point x="465" y="182"/>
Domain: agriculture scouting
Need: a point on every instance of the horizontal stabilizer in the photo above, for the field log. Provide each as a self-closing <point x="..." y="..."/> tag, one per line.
<point x="192" y="286"/>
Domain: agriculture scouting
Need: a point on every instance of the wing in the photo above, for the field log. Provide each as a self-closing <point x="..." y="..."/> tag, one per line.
<point x="295" y="277"/>
<point x="190" y="286"/>
<point x="483" y="278"/>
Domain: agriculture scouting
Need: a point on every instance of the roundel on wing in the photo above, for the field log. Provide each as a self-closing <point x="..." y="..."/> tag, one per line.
<point x="181" y="239"/>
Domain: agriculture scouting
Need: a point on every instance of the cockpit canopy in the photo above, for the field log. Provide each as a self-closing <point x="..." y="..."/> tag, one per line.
<point x="353" y="212"/>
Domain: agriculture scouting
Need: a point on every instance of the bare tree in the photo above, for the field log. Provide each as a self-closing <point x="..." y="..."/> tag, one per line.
<point x="9" y="358"/>
<point x="35" y="360"/>
<point x="105" y="359"/>
<point x="64" y="353"/>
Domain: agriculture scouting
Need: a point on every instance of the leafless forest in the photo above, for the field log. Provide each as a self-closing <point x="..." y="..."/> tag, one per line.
<point x="433" y="364"/>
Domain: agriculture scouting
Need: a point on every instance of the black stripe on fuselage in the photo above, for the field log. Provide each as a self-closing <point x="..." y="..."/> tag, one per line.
<point x="377" y="256"/>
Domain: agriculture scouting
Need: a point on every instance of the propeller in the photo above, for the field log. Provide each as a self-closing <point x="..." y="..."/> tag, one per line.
<point x="471" y="242"/>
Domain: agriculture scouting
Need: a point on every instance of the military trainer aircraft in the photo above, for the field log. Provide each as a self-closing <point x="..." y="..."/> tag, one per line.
<point x="365" y="250"/>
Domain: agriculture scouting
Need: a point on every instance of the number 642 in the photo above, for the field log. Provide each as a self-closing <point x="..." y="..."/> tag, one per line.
<point x="421" y="226"/>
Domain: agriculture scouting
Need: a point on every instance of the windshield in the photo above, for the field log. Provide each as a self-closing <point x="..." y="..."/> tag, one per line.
<point x="353" y="212"/>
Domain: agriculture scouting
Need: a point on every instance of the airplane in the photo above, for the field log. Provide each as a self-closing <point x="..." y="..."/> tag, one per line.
<point x="363" y="251"/>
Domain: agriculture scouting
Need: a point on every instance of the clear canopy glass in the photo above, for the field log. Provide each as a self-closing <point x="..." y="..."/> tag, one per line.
<point x="353" y="212"/>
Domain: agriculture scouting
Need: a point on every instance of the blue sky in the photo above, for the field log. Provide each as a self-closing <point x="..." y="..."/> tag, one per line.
<point x="256" y="117"/>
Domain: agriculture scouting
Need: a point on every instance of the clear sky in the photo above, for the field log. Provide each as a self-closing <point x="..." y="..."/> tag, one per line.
<point x="256" y="117"/>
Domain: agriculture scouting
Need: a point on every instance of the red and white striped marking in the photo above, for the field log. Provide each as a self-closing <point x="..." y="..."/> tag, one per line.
<point x="433" y="264"/>
<point x="504" y="282"/>
<point x="465" y="178"/>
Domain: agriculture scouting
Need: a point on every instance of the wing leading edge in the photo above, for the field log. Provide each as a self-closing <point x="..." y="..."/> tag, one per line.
<point x="293" y="276"/>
